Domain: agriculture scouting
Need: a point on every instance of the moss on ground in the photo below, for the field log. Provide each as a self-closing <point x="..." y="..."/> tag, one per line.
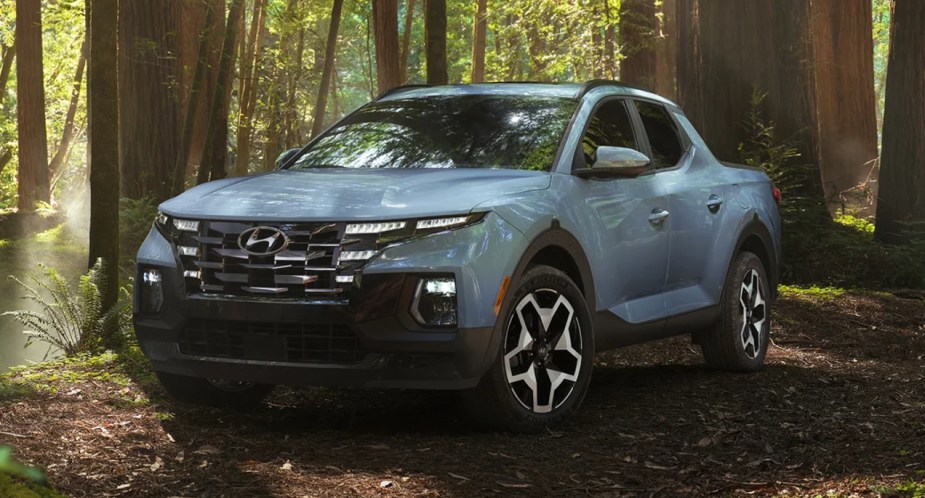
<point x="11" y="487"/>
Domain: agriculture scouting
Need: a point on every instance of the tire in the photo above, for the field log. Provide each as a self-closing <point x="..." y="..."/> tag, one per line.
<point x="739" y="339"/>
<point x="222" y="393"/>
<point x="543" y="367"/>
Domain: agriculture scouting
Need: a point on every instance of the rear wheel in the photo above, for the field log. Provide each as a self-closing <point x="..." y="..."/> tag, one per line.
<point x="739" y="340"/>
<point x="544" y="364"/>
<point x="214" y="392"/>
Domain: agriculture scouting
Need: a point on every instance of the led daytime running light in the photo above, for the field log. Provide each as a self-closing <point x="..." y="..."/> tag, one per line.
<point x="441" y="222"/>
<point x="363" y="228"/>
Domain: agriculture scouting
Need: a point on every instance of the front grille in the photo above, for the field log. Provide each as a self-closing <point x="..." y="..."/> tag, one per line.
<point x="265" y="341"/>
<point x="305" y="268"/>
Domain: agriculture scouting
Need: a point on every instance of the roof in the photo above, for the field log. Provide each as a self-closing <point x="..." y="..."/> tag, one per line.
<point x="565" y="90"/>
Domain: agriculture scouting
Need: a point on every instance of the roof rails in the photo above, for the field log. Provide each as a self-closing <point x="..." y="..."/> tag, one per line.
<point x="592" y="84"/>
<point x="400" y="88"/>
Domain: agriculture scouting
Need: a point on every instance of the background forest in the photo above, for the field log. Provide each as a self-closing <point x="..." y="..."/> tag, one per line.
<point x="185" y="91"/>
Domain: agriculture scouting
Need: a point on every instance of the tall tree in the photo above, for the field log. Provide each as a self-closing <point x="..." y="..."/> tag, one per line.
<point x="901" y="198"/>
<point x="148" y="102"/>
<point x="610" y="62"/>
<point x="843" y="55"/>
<point x="247" y="90"/>
<point x="406" y="40"/>
<point x="6" y="65"/>
<point x="103" y="114"/>
<point x="435" y="41"/>
<point x="666" y="50"/>
<point x="67" y="134"/>
<point x="637" y="32"/>
<point x="30" y="90"/>
<point x="215" y="151"/>
<point x="327" y="72"/>
<point x="479" y="35"/>
<point x="385" y="25"/>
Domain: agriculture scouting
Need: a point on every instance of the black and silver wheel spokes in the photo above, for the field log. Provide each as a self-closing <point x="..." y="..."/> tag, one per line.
<point x="754" y="316"/>
<point x="542" y="350"/>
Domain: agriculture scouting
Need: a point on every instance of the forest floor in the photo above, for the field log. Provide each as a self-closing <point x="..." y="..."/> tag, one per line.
<point x="839" y="411"/>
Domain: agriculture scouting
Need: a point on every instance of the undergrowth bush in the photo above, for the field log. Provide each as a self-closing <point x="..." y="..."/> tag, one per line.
<point x="71" y="320"/>
<point x="818" y="250"/>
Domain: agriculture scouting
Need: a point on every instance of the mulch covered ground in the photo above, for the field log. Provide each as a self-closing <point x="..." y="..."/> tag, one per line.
<point x="839" y="410"/>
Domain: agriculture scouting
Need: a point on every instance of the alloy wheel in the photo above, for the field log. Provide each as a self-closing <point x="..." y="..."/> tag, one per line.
<point x="754" y="315"/>
<point x="543" y="350"/>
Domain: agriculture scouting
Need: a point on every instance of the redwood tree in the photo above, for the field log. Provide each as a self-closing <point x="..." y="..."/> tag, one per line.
<point x="385" y="25"/>
<point x="247" y="88"/>
<point x="435" y="45"/>
<point x="901" y="197"/>
<point x="30" y="94"/>
<point x="328" y="70"/>
<point x="406" y="40"/>
<point x="149" y="139"/>
<point x="479" y="29"/>
<point x="637" y="31"/>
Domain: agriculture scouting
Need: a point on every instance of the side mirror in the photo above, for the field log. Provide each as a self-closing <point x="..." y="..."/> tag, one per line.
<point x="617" y="161"/>
<point x="284" y="158"/>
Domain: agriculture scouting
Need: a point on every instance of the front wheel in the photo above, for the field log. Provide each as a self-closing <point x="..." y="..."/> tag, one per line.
<point x="739" y="340"/>
<point x="543" y="368"/>
<point x="214" y="392"/>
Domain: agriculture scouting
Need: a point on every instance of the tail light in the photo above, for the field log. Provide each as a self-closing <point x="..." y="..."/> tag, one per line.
<point x="775" y="192"/>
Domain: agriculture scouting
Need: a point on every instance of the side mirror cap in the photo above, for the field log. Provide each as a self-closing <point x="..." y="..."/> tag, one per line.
<point x="284" y="158"/>
<point x="617" y="161"/>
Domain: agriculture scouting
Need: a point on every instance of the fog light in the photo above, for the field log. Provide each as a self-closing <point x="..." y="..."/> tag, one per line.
<point x="435" y="302"/>
<point x="152" y="291"/>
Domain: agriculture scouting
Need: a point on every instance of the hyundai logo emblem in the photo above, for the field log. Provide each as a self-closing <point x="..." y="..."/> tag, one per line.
<point x="262" y="241"/>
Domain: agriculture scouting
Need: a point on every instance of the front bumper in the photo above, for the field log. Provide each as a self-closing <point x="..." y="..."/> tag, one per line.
<point x="366" y="339"/>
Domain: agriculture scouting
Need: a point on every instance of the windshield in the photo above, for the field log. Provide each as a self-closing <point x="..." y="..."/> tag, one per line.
<point x="468" y="131"/>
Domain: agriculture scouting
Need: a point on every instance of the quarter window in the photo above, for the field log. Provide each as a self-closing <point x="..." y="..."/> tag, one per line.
<point x="610" y="125"/>
<point x="662" y="133"/>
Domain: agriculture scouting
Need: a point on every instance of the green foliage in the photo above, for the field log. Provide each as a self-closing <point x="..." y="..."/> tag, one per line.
<point x="812" y="292"/>
<point x="71" y="320"/>
<point x="11" y="487"/>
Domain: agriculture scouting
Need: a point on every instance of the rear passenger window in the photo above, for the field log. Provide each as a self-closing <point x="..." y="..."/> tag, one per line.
<point x="610" y="125"/>
<point x="662" y="133"/>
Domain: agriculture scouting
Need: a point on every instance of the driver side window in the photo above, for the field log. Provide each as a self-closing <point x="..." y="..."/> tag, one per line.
<point x="610" y="125"/>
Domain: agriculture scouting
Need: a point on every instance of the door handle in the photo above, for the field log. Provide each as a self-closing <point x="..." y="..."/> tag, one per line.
<point x="658" y="216"/>
<point x="714" y="203"/>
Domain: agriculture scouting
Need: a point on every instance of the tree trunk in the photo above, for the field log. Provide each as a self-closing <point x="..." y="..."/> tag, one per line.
<point x="196" y="91"/>
<point x="637" y="30"/>
<point x="846" y="100"/>
<point x="610" y="62"/>
<point x="325" y="86"/>
<point x="30" y="92"/>
<point x="148" y="137"/>
<point x="435" y="41"/>
<point x="67" y="135"/>
<point x="9" y="53"/>
<point x="666" y="51"/>
<point x="6" y="155"/>
<point x="385" y="25"/>
<point x="406" y="40"/>
<point x="103" y="115"/>
<point x="901" y="198"/>
<point x="215" y="151"/>
<point x="247" y="96"/>
<point x="479" y="32"/>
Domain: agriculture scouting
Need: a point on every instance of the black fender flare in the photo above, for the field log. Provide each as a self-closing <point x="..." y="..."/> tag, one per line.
<point x="756" y="227"/>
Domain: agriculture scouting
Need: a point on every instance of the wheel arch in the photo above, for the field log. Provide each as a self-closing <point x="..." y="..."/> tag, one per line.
<point x="756" y="239"/>
<point x="559" y="249"/>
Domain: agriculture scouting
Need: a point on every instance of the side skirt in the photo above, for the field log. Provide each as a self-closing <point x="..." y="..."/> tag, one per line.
<point x="611" y="331"/>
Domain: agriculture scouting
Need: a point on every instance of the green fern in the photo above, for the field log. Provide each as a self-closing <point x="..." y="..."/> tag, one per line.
<point x="71" y="320"/>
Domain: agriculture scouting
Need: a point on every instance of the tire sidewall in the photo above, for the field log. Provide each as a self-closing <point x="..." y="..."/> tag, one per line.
<point x="732" y="319"/>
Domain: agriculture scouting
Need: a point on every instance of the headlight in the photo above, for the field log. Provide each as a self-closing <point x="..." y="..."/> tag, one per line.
<point x="442" y="223"/>
<point x="358" y="228"/>
<point x="161" y="220"/>
<point x="186" y="225"/>
<point x="434" y="302"/>
<point x="152" y="291"/>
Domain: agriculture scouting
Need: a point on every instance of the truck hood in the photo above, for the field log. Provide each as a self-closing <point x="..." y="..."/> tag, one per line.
<point x="350" y="194"/>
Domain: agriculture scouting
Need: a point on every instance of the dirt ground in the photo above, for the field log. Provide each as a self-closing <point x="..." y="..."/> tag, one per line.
<point x="839" y="410"/>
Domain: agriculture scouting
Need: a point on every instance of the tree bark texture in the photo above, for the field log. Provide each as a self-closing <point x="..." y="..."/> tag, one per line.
<point x="435" y="44"/>
<point x="30" y="91"/>
<point x="6" y="65"/>
<point x="103" y="113"/>
<point x="479" y="35"/>
<point x="901" y="197"/>
<point x="67" y="134"/>
<point x="385" y="26"/>
<point x="845" y="98"/>
<point x="148" y="102"/>
<point x="215" y="151"/>
<point x="327" y="72"/>
<point x="666" y="51"/>
<point x="637" y="32"/>
<point x="406" y="40"/>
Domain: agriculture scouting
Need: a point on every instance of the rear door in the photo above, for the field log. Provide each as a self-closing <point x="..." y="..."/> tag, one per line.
<point x="696" y="198"/>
